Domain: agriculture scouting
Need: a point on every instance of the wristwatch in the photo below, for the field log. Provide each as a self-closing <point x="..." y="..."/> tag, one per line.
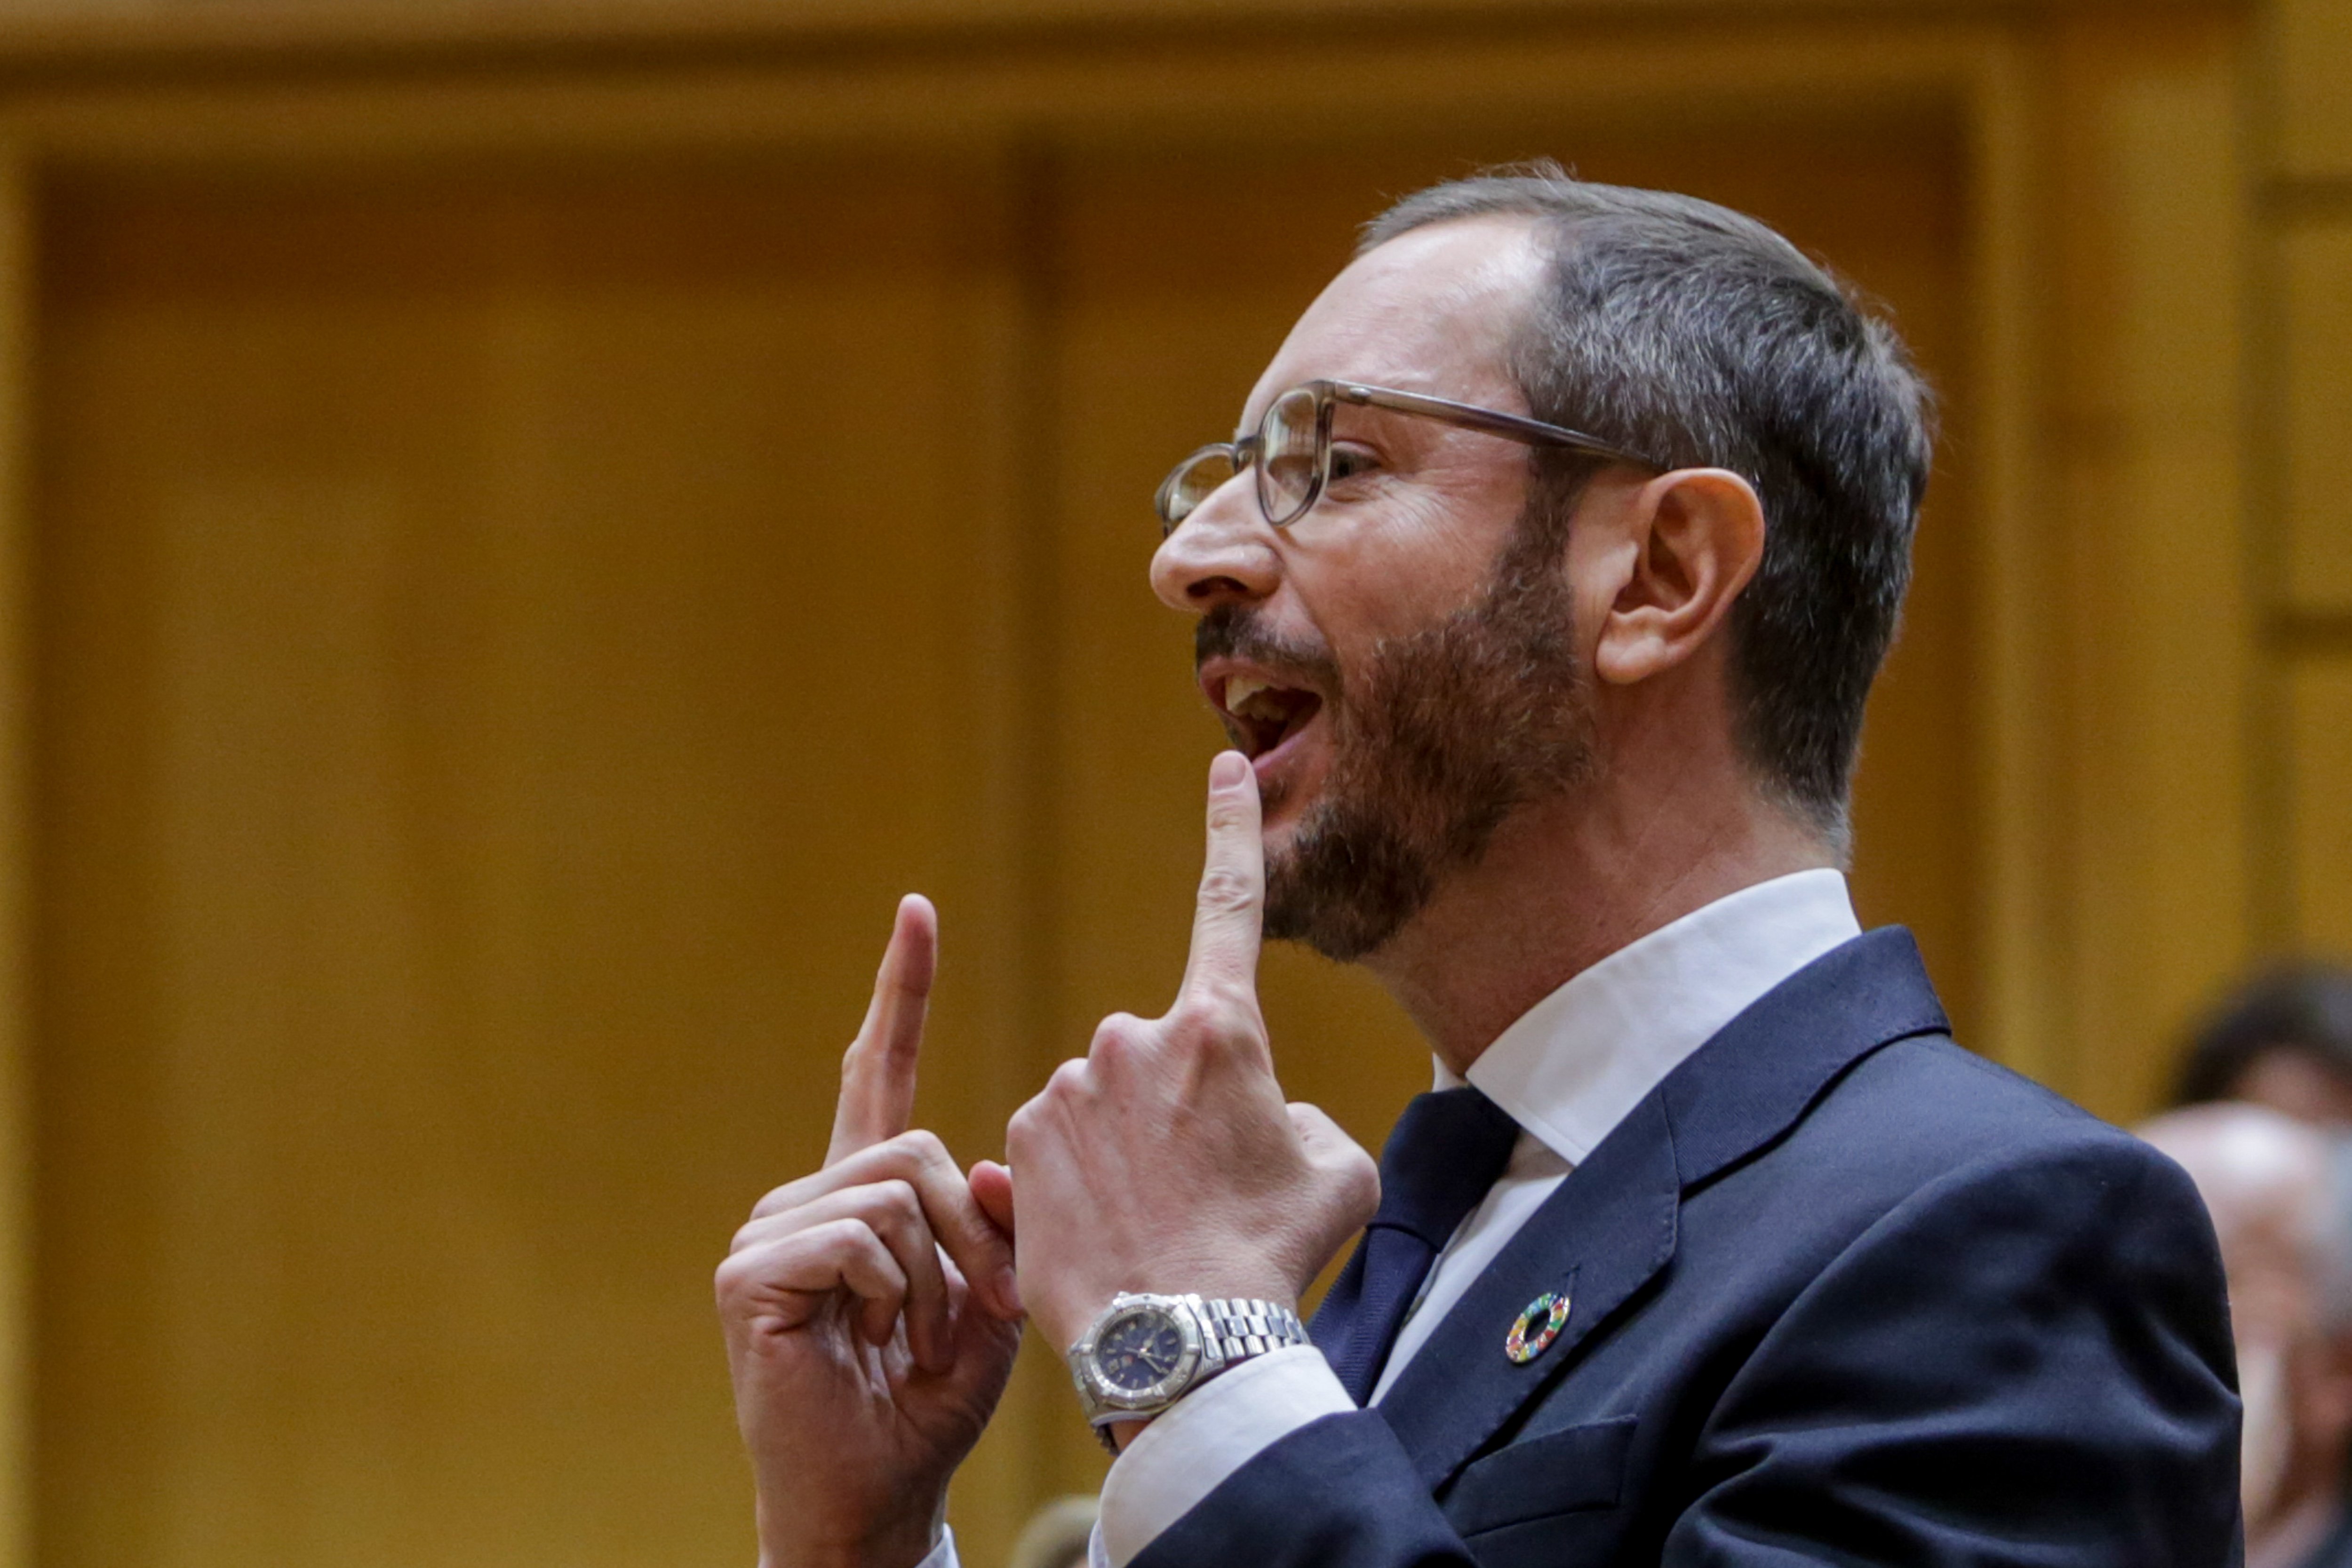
<point x="1145" y="1353"/>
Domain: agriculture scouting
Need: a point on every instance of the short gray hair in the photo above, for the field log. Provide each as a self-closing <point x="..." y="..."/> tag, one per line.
<point x="1686" y="330"/>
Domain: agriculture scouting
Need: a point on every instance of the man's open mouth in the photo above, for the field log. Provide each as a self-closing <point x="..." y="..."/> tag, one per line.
<point x="1262" y="715"/>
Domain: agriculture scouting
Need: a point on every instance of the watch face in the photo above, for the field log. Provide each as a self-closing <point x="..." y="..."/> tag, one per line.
<point x="1139" y="1351"/>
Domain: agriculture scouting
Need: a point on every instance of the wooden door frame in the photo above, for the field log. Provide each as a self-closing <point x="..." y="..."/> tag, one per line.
<point x="903" y="85"/>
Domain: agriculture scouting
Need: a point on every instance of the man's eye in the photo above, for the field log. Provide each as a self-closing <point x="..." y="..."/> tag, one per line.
<point x="1350" y="463"/>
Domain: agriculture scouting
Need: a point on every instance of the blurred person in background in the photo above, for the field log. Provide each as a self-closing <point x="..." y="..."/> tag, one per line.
<point x="2280" y="1191"/>
<point x="2283" y="1039"/>
<point x="1056" y="1534"/>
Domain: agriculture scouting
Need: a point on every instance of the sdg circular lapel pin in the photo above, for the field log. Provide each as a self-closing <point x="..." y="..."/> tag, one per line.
<point x="1537" y="1327"/>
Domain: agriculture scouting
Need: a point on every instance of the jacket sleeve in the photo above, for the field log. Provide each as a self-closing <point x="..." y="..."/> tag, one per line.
<point x="2026" y="1364"/>
<point x="1337" y="1493"/>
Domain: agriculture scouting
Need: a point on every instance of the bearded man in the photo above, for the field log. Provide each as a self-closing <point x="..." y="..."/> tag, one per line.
<point x="1540" y="594"/>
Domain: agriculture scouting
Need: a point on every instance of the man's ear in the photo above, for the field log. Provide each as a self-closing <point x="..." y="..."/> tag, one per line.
<point x="1698" y="537"/>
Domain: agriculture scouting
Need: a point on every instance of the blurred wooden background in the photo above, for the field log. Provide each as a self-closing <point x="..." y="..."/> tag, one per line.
<point x="529" y="523"/>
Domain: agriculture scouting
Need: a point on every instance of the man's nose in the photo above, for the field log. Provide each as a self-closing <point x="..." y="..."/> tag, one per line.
<point x="1223" y="551"/>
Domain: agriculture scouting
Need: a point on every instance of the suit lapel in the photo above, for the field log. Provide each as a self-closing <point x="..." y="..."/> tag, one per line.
<point x="1611" y="1227"/>
<point x="1601" y="1236"/>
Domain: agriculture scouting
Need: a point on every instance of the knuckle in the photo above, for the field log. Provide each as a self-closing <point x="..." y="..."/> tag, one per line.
<point x="1115" y="1038"/>
<point x="1198" y="1011"/>
<point x="1227" y="888"/>
<point x="897" y="1200"/>
<point x="925" y="1147"/>
<point x="1020" y="1131"/>
<point x="1214" y="1014"/>
<point x="845" y="1236"/>
<point x="1072" y="1078"/>
<point x="1227" y="814"/>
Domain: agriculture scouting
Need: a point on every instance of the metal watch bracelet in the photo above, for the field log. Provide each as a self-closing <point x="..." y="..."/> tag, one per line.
<point x="1232" y="1330"/>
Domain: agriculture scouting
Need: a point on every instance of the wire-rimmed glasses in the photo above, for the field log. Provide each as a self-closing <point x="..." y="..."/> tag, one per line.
<point x="1291" y="448"/>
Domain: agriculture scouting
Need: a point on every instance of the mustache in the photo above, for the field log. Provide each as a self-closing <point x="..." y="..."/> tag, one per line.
<point x="1239" y="631"/>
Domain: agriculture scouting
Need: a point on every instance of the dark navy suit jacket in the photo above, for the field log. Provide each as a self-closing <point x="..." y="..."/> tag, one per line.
<point x="1841" y="1293"/>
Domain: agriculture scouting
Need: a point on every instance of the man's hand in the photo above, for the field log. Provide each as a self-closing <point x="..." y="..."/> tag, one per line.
<point x="1165" y="1160"/>
<point x="870" y="1309"/>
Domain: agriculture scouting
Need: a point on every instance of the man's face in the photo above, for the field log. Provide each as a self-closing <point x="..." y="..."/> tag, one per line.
<point x="2266" y="1183"/>
<point x="1401" y="664"/>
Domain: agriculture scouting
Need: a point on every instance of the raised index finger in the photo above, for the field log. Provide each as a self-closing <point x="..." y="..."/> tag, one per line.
<point x="877" y="1075"/>
<point x="1226" y="921"/>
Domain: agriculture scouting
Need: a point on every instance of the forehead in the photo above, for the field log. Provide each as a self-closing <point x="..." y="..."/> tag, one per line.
<point x="2255" y="1168"/>
<point x="1431" y="310"/>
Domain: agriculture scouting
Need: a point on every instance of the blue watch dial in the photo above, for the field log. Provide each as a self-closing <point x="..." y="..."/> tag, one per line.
<point x="1139" y="1350"/>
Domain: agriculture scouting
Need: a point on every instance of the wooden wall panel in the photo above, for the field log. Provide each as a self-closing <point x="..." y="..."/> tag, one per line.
<point x="2315" y="308"/>
<point x="19" y="1221"/>
<point x="2156" y="625"/>
<point x="2320" y="703"/>
<point x="2311" y="62"/>
<point x="503" y="650"/>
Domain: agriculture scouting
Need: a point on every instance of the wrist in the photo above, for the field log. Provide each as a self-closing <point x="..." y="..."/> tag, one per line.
<point x="897" y="1544"/>
<point x="1073" y="1317"/>
<point x="894" y="1554"/>
<point x="1147" y="1351"/>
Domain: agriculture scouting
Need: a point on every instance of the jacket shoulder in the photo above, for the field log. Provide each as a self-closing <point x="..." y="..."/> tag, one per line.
<point x="1922" y="1123"/>
<point x="1923" y="1106"/>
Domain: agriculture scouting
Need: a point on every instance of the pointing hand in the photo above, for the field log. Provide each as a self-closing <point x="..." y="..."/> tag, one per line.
<point x="1166" y="1159"/>
<point x="869" y="1308"/>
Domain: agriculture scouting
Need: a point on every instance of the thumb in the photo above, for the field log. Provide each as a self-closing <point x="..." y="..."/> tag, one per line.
<point x="991" y="1189"/>
<point x="1353" y="1177"/>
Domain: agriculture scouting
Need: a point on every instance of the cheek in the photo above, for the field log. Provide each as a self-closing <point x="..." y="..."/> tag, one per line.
<point x="1427" y="545"/>
<point x="1397" y="586"/>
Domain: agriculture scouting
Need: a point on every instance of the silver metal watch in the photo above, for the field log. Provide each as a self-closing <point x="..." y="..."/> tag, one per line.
<point x="1145" y="1353"/>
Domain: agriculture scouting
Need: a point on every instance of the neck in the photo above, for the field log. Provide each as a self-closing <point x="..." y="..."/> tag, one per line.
<point x="1567" y="883"/>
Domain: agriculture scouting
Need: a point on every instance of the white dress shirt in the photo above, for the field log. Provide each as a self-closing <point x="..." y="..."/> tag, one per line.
<point x="1567" y="1071"/>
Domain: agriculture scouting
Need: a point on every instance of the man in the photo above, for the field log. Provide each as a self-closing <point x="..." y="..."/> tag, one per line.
<point x="2284" y="1039"/>
<point x="2281" y="1196"/>
<point x="1540" y="597"/>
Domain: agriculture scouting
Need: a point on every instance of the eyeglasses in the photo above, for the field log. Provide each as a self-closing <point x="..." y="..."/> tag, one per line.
<point x="1292" y="448"/>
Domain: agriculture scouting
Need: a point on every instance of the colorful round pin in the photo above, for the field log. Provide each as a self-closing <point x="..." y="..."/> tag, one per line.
<point x="1536" y="1328"/>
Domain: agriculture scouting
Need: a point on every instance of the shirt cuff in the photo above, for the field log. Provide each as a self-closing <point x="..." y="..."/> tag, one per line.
<point x="1188" y="1450"/>
<point x="943" y="1555"/>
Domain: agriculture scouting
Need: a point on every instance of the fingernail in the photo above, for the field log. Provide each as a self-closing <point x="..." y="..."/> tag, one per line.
<point x="1228" y="770"/>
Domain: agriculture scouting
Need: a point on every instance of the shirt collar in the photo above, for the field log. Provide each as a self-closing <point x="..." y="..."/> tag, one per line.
<point x="1571" y="1067"/>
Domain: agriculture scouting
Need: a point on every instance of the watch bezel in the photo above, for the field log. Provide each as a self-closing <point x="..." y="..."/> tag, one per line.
<point x="1109" y="1395"/>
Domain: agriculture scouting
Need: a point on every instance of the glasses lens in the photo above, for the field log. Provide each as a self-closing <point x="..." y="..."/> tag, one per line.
<point x="1195" y="479"/>
<point x="1287" y="466"/>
